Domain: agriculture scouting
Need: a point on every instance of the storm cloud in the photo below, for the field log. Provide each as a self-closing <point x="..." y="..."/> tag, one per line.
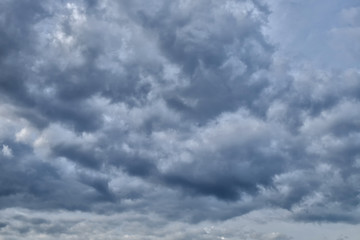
<point x="191" y="113"/>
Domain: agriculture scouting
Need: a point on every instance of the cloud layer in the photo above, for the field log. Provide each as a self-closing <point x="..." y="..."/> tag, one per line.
<point x="184" y="111"/>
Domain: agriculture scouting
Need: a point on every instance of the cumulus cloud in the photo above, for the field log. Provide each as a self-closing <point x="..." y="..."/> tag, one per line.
<point x="186" y="111"/>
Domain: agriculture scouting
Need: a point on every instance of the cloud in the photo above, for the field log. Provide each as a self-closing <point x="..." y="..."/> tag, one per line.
<point x="76" y="225"/>
<point x="184" y="111"/>
<point x="303" y="30"/>
<point x="6" y="151"/>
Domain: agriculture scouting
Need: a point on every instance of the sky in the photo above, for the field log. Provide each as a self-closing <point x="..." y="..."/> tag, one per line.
<point x="157" y="119"/>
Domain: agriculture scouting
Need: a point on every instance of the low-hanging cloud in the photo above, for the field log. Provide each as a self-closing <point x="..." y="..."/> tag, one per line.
<point x="183" y="109"/>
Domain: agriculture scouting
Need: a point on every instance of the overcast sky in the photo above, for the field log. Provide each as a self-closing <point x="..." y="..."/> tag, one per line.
<point x="181" y="119"/>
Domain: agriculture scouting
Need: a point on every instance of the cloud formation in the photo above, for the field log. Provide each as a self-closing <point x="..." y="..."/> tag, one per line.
<point x="186" y="111"/>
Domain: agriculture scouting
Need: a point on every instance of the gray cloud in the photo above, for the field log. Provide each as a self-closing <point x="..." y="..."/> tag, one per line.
<point x="182" y="109"/>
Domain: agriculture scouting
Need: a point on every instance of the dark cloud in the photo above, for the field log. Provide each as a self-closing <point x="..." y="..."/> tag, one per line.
<point x="183" y="109"/>
<point x="83" y="157"/>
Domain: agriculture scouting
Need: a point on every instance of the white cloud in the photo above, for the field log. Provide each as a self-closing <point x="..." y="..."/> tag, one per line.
<point x="6" y="151"/>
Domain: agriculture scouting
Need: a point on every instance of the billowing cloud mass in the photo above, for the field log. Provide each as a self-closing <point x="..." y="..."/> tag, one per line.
<point x="179" y="119"/>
